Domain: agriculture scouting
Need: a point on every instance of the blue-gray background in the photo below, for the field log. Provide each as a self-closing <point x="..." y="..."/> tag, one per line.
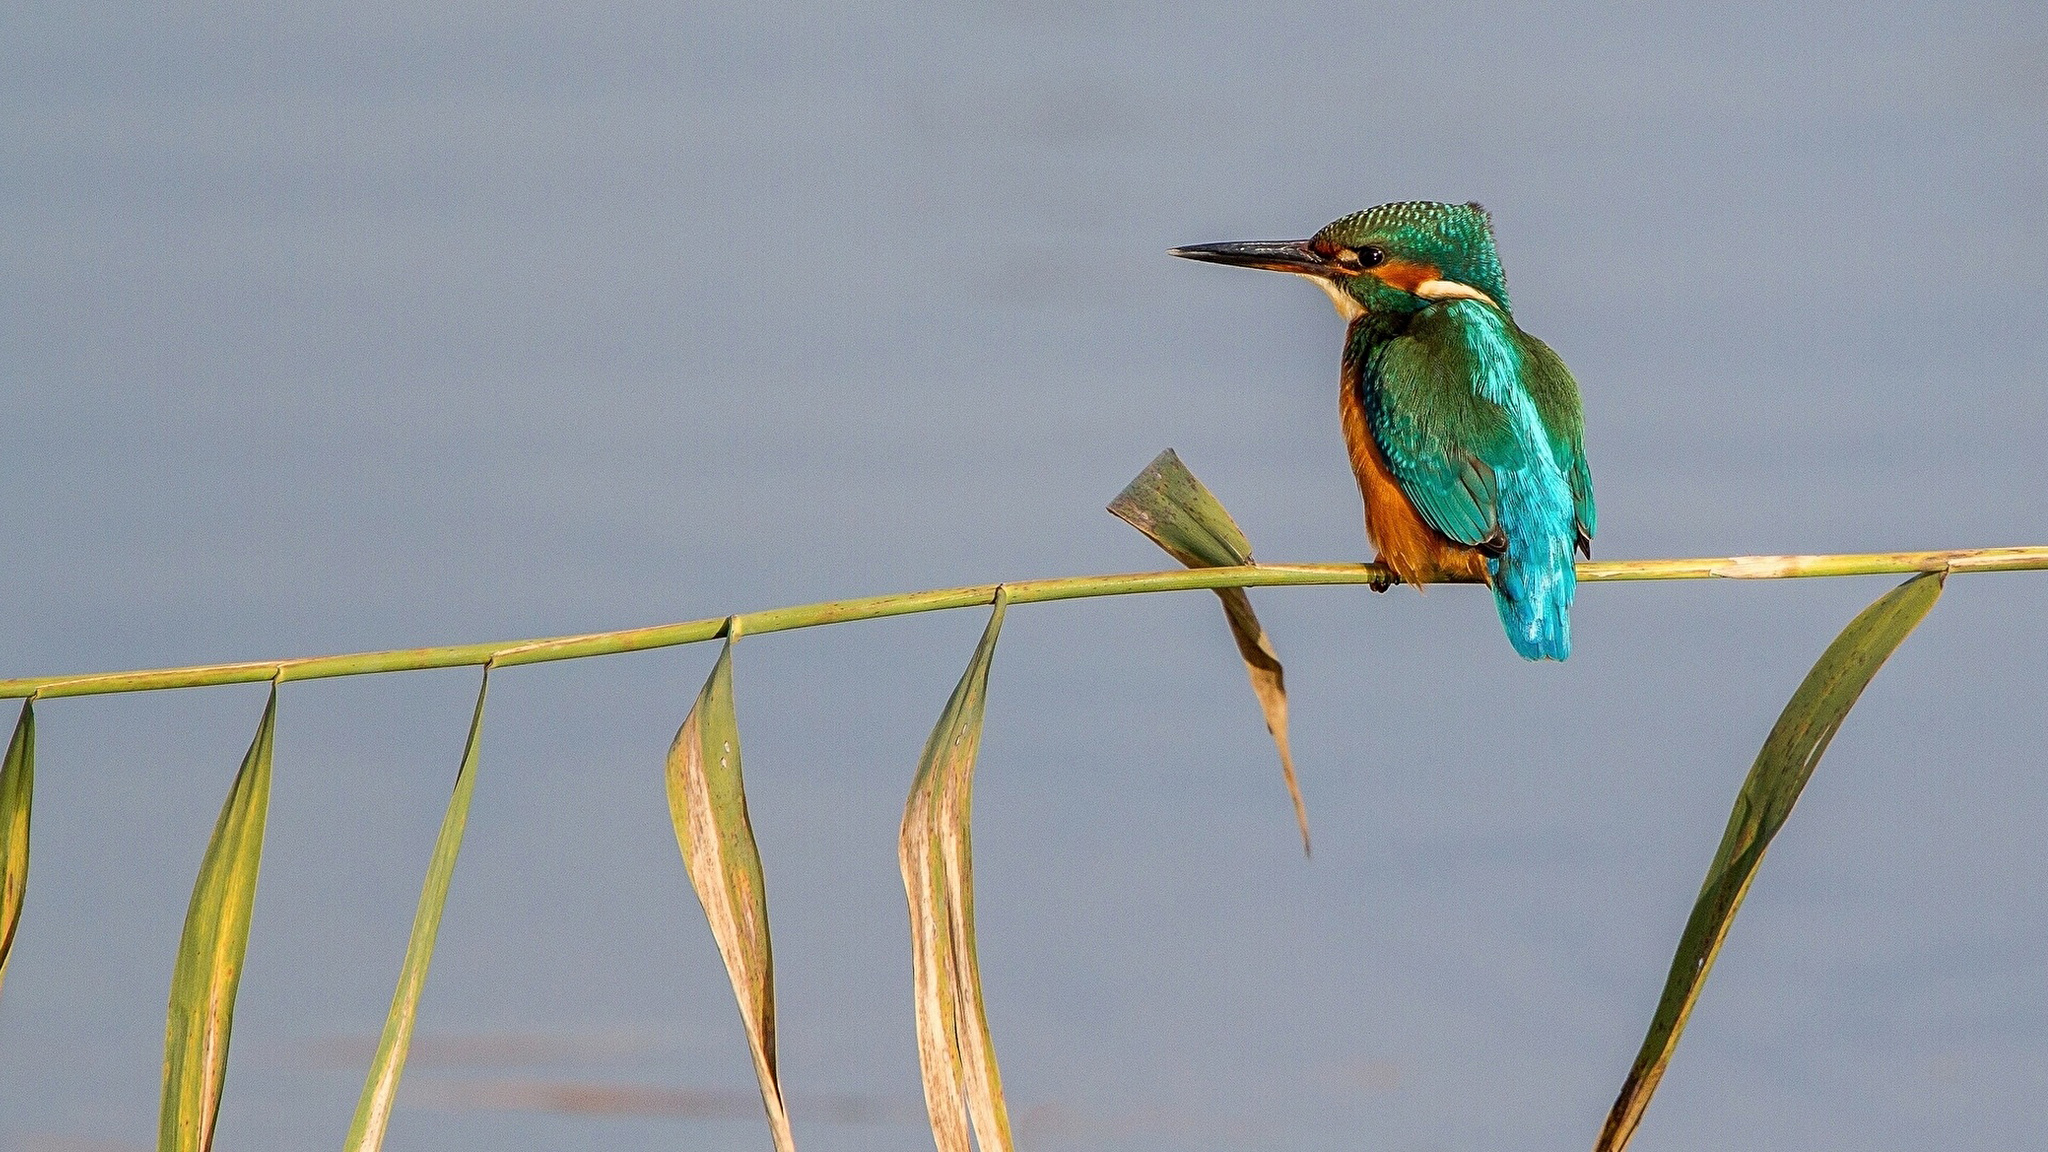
<point x="339" y="327"/>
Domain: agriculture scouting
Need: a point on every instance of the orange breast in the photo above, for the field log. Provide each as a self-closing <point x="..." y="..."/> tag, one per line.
<point x="1417" y="553"/>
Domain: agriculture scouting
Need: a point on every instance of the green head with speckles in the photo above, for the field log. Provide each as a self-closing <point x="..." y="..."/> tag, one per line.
<point x="1390" y="260"/>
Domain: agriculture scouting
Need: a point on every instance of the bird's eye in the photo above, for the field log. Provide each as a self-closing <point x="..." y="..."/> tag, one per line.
<point x="1360" y="257"/>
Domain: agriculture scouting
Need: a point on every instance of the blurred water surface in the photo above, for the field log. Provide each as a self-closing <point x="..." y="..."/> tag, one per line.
<point x="339" y="327"/>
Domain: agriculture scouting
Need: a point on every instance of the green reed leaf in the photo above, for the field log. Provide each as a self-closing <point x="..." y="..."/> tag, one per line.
<point x="1182" y="516"/>
<point x="1781" y="771"/>
<point x="17" y="795"/>
<point x="708" y="802"/>
<point x="380" y="1088"/>
<point x="935" y="851"/>
<point x="210" y="952"/>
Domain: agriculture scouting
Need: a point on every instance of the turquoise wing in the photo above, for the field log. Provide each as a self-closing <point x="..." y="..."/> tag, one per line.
<point x="1450" y="410"/>
<point x="1441" y="401"/>
<point x="1557" y="405"/>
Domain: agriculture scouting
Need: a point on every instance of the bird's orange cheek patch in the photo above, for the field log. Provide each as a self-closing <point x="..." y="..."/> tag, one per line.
<point x="1407" y="275"/>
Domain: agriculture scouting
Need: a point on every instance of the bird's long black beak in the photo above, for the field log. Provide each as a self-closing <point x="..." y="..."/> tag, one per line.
<point x="1271" y="255"/>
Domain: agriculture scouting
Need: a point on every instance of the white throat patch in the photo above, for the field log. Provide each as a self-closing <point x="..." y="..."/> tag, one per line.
<point x="1347" y="307"/>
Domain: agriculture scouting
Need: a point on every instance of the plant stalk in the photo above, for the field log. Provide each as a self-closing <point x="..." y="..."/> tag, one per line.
<point x="538" y="651"/>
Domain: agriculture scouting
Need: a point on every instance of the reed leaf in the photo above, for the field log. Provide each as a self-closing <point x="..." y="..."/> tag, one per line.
<point x="17" y="795"/>
<point x="380" y="1087"/>
<point x="1781" y="771"/>
<point x="1181" y="515"/>
<point x="210" y="952"/>
<point x="935" y="850"/>
<point x="708" y="802"/>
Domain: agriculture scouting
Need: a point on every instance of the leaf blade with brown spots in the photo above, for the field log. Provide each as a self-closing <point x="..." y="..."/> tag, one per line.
<point x="962" y="1083"/>
<point x="708" y="804"/>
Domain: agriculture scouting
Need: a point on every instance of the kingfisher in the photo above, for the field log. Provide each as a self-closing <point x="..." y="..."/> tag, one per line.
<point x="1464" y="431"/>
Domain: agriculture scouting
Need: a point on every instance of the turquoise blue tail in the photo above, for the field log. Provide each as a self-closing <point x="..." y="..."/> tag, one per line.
<point x="1533" y="581"/>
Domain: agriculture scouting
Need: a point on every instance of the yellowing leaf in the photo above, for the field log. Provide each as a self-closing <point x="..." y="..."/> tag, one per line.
<point x="17" y="795"/>
<point x="380" y="1088"/>
<point x="935" y="850"/>
<point x="708" y="802"/>
<point x="1182" y="516"/>
<point x="1781" y="771"/>
<point x="209" y="967"/>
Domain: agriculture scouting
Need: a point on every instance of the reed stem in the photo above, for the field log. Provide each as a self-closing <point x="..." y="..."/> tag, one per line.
<point x="538" y="651"/>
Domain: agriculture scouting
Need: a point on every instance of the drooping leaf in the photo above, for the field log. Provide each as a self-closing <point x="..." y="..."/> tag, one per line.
<point x="1182" y="516"/>
<point x="935" y="850"/>
<point x="209" y="967"/>
<point x="17" y="796"/>
<point x="380" y="1088"/>
<point x="1781" y="771"/>
<point x="708" y="802"/>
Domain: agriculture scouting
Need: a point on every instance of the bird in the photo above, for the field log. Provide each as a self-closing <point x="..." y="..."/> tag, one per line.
<point x="1465" y="432"/>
